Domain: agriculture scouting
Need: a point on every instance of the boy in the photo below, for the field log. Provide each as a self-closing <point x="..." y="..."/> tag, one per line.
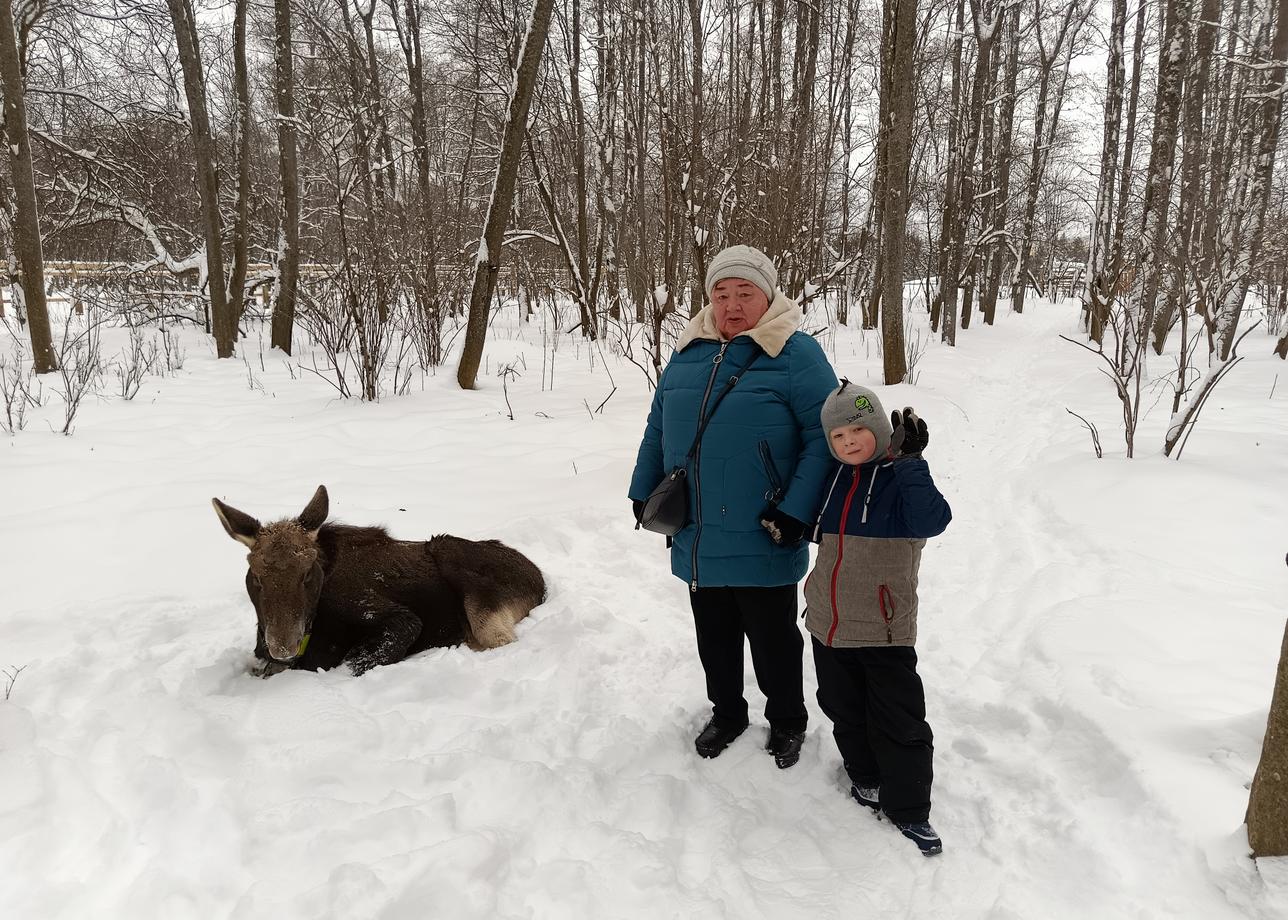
<point x="862" y="605"/>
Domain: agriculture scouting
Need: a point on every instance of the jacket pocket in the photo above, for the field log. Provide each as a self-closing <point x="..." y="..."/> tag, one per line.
<point x="743" y="497"/>
<point x="775" y="493"/>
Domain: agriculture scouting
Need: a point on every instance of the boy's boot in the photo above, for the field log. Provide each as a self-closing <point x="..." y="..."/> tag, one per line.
<point x="869" y="796"/>
<point x="923" y="835"/>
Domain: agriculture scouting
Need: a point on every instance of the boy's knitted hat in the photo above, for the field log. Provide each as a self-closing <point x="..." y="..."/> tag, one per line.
<point x="851" y="404"/>
<point x="747" y="263"/>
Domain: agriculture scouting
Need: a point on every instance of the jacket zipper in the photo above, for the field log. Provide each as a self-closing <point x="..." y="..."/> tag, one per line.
<point x="840" y="554"/>
<point x="697" y="466"/>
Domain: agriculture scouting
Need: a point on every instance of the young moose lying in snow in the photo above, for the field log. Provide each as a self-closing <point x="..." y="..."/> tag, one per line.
<point x="330" y="593"/>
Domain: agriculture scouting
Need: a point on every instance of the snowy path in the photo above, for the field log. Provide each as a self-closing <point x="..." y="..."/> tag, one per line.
<point x="1093" y="728"/>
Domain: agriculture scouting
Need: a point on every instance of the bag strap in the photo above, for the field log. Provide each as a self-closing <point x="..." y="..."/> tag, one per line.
<point x="712" y="411"/>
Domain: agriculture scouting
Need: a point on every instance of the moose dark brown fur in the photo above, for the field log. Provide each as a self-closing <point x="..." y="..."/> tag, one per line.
<point x="327" y="594"/>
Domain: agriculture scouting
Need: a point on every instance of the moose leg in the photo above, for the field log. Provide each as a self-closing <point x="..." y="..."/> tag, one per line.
<point x="491" y="625"/>
<point x="395" y="631"/>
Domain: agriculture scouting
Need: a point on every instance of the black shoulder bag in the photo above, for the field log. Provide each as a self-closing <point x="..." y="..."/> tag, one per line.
<point x="666" y="510"/>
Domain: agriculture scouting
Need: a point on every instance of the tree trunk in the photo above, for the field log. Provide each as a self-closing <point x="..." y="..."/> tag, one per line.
<point x="1266" y="122"/>
<point x="507" y="169"/>
<point x="1196" y="85"/>
<point x="241" y="225"/>
<point x="1101" y="275"/>
<point x="1117" y="255"/>
<point x="1046" y="120"/>
<point x="695" y="187"/>
<point x="1005" y="154"/>
<point x="425" y="281"/>
<point x="26" y="219"/>
<point x="984" y="20"/>
<point x="1158" y="179"/>
<point x="948" y="232"/>
<point x="901" y="19"/>
<point x="203" y="144"/>
<point x="580" y="190"/>
<point x="1267" y="816"/>
<point x="288" y="246"/>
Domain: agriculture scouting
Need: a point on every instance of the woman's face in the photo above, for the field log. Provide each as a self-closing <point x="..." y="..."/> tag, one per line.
<point x="854" y="444"/>
<point x="738" y="306"/>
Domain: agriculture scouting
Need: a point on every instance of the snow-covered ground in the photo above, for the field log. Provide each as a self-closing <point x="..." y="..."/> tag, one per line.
<point x="1099" y="640"/>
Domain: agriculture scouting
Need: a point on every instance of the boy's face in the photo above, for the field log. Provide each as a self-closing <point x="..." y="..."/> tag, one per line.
<point x="854" y="444"/>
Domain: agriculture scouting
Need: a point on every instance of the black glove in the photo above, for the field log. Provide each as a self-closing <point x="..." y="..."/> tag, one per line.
<point x="910" y="435"/>
<point x="637" y="507"/>
<point x="783" y="529"/>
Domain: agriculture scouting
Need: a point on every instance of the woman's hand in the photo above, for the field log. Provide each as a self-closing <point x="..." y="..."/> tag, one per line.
<point x="783" y="529"/>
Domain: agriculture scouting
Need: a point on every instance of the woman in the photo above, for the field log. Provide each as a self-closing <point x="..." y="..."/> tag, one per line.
<point x="755" y="479"/>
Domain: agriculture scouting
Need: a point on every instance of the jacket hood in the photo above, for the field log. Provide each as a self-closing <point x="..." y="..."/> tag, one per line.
<point x="778" y="324"/>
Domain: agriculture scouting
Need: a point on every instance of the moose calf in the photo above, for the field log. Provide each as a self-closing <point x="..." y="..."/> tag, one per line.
<point x="330" y="593"/>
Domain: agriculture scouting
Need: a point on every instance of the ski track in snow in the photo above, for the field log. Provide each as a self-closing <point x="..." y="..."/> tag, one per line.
<point x="144" y="773"/>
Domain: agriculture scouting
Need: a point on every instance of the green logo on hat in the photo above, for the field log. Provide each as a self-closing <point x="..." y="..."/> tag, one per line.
<point x="862" y="402"/>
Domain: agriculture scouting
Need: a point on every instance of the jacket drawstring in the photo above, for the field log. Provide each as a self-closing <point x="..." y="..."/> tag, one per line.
<point x="868" y="498"/>
<point x="818" y="522"/>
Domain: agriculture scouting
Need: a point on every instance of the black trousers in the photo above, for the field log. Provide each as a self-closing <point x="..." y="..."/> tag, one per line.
<point x="766" y="618"/>
<point x="877" y="705"/>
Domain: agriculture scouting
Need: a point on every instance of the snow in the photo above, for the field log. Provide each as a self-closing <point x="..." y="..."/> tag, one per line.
<point x="1098" y="643"/>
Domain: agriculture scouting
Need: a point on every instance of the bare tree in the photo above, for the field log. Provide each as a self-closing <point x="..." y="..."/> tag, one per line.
<point x="194" y="84"/>
<point x="26" y="218"/>
<point x="241" y="127"/>
<point x="288" y="243"/>
<point x="489" y="250"/>
<point x="896" y="137"/>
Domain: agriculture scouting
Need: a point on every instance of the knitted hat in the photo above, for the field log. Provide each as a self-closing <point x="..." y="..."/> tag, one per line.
<point x="851" y="404"/>
<point x="746" y="263"/>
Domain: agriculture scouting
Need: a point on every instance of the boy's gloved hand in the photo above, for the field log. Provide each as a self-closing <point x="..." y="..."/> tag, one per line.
<point x="783" y="529"/>
<point x="910" y="435"/>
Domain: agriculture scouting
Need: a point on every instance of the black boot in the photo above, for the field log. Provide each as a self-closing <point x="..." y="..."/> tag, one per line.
<point x="717" y="736"/>
<point x="785" y="746"/>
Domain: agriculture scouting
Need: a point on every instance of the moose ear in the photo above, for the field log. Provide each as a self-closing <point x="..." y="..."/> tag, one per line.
<point x="240" y="526"/>
<point x="314" y="514"/>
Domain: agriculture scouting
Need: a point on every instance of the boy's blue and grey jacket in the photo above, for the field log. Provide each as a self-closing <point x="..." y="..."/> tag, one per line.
<point x="764" y="435"/>
<point x="876" y="518"/>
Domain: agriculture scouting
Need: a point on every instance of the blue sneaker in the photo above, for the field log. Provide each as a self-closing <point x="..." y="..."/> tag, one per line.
<point x="923" y="835"/>
<point x="869" y="796"/>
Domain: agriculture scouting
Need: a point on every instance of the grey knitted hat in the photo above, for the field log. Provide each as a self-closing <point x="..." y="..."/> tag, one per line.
<point x="851" y="404"/>
<point x="747" y="263"/>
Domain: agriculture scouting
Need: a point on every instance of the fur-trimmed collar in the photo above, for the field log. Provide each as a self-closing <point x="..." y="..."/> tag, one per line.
<point x="772" y="332"/>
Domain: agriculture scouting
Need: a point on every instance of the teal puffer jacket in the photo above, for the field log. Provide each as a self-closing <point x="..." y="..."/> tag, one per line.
<point x="765" y="434"/>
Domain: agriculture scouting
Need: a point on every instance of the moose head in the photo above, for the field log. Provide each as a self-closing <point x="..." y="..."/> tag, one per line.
<point x="285" y="577"/>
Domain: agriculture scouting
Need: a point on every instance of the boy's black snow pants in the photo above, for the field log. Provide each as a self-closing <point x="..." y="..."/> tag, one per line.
<point x="766" y="618"/>
<point x="877" y="705"/>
